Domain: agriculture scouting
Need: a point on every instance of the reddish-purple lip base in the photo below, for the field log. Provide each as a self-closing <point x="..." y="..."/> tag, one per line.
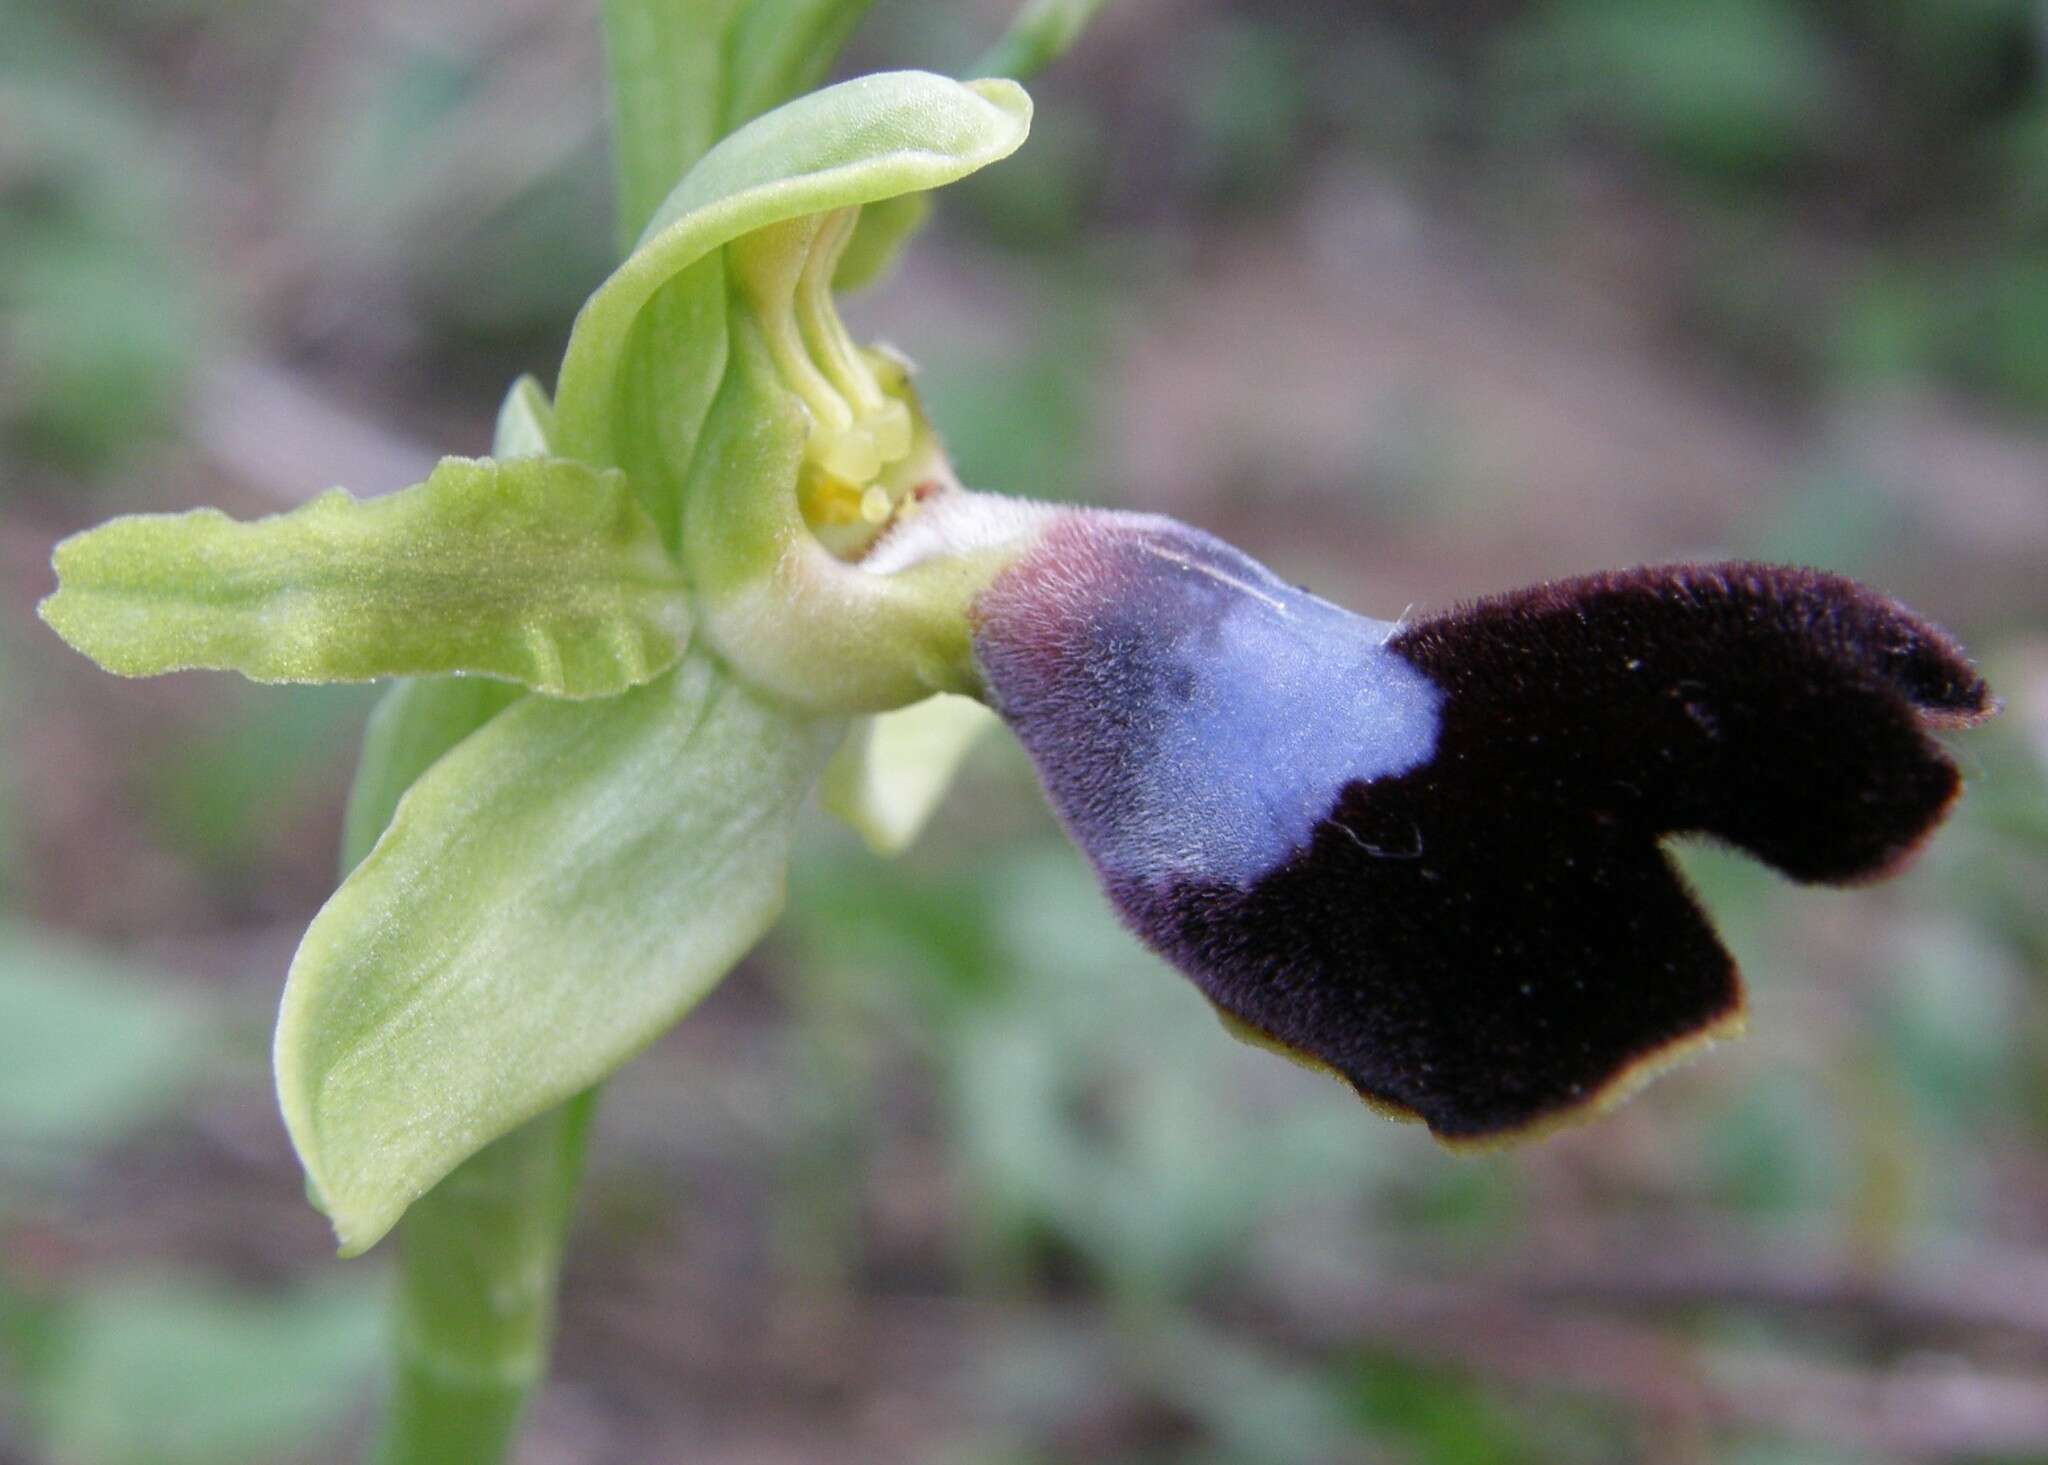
<point x="1493" y="940"/>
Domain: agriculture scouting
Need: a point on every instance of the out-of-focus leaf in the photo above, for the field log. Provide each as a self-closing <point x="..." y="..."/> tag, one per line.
<point x="1039" y="34"/>
<point x="1246" y="102"/>
<point x="1442" y="1418"/>
<point x="904" y="940"/>
<point x="668" y="71"/>
<point x="225" y="798"/>
<point x="100" y="331"/>
<point x="889" y="775"/>
<point x="87" y="1051"/>
<point x="1982" y="325"/>
<point x="2015" y="325"/>
<point x="1093" y="1100"/>
<point x="539" y="571"/>
<point x="554" y="892"/>
<point x="1952" y="1021"/>
<point x="102" y="304"/>
<point x="1737" y="88"/>
<point x="1256" y="1405"/>
<point x="1053" y="381"/>
<point x="1780" y="1149"/>
<point x="158" y="1372"/>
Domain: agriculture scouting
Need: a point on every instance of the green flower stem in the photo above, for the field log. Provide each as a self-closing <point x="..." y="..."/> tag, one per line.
<point x="478" y="1261"/>
<point x="686" y="72"/>
<point x="480" y="1252"/>
<point x="667" y="65"/>
<point x="478" y="1256"/>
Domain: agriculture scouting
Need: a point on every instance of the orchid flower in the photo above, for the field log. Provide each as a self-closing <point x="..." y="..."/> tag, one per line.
<point x="1422" y="855"/>
<point x="1425" y="857"/>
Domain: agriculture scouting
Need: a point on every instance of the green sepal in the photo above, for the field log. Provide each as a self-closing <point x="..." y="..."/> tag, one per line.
<point x="553" y="893"/>
<point x="539" y="571"/>
<point x="889" y="776"/>
<point x="871" y="138"/>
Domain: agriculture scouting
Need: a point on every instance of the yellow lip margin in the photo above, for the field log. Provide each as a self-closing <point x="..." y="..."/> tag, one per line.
<point x="1618" y="1087"/>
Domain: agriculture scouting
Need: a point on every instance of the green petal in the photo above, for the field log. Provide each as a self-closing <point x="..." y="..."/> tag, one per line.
<point x="889" y="775"/>
<point x="554" y="892"/>
<point x="867" y="139"/>
<point x="880" y="236"/>
<point x="535" y="570"/>
<point x="789" y="617"/>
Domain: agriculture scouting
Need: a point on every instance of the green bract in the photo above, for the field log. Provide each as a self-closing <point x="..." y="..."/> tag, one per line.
<point x="538" y="885"/>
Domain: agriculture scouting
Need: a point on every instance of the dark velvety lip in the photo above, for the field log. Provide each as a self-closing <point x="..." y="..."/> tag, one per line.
<point x="1486" y="934"/>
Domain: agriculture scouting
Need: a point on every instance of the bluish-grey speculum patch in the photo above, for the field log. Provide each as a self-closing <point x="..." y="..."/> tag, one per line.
<point x="1200" y="715"/>
<point x="1248" y="718"/>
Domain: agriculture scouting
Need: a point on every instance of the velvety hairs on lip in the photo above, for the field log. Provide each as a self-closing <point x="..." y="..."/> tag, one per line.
<point x="1425" y="855"/>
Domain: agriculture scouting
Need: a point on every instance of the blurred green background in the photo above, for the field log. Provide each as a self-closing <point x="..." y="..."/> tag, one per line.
<point x="1414" y="299"/>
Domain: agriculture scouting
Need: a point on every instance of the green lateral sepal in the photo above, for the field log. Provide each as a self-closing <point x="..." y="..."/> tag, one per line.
<point x="533" y="570"/>
<point x="554" y="892"/>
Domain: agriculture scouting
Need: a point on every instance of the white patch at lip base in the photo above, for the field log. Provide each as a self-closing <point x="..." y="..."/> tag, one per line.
<point x="957" y="522"/>
<point x="1268" y="717"/>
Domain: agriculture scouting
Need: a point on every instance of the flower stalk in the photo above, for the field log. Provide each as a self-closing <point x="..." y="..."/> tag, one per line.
<point x="479" y="1258"/>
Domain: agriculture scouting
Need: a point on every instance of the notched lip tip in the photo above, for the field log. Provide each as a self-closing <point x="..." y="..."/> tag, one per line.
<point x="1907" y="853"/>
<point x="1904" y="857"/>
